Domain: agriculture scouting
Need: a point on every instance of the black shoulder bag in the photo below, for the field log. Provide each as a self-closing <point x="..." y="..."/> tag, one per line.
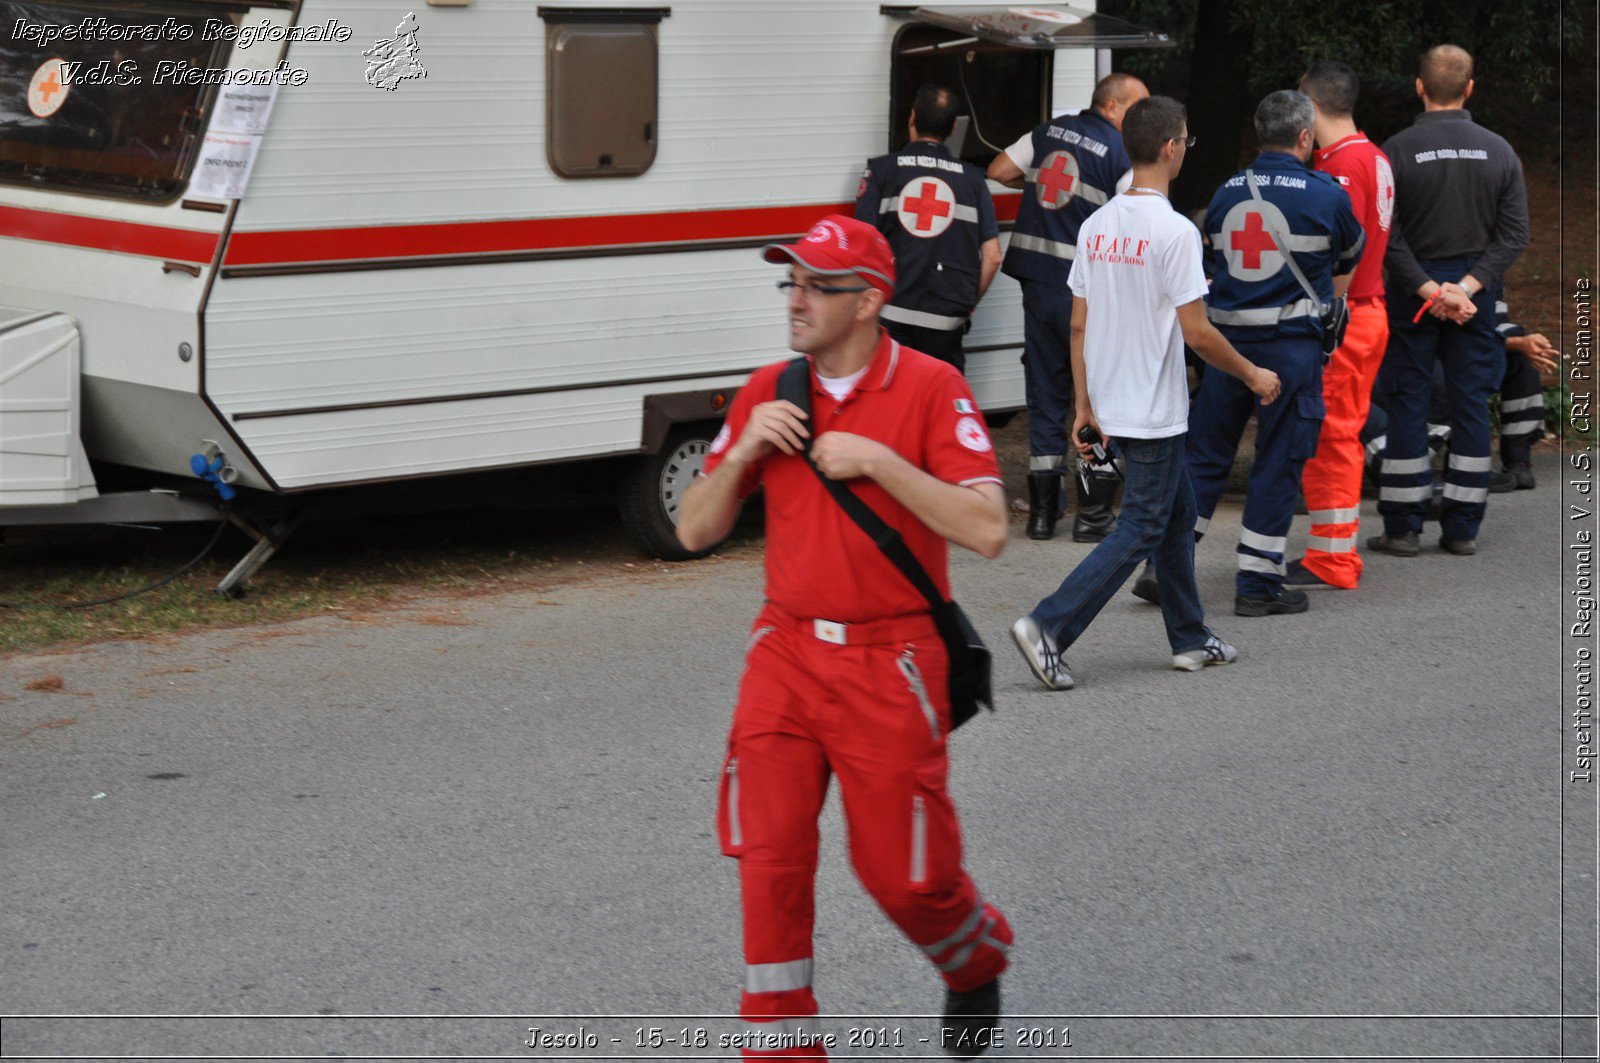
<point x="1335" y="316"/>
<point x="970" y="660"/>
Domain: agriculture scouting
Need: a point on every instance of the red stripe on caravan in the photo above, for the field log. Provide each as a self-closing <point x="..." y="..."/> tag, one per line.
<point x="547" y="234"/>
<point x="103" y="234"/>
<point x="417" y="241"/>
<point x="543" y="234"/>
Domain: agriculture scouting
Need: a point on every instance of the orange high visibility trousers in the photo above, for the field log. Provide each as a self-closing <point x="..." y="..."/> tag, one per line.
<point x="1332" y="478"/>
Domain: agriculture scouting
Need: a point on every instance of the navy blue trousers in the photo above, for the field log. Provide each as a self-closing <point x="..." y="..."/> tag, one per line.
<point x="1286" y="437"/>
<point x="1047" y="374"/>
<point x="1473" y="358"/>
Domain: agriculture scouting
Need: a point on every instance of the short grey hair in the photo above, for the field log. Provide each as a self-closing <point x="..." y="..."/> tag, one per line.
<point x="1281" y="117"/>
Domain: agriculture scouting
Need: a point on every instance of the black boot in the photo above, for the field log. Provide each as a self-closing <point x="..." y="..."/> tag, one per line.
<point x="1044" y="503"/>
<point x="970" y="1020"/>
<point x="1094" y="519"/>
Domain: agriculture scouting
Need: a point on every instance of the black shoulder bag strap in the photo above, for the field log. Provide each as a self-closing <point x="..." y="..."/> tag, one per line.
<point x="1334" y="316"/>
<point x="1283" y="244"/>
<point x="794" y="385"/>
<point x="969" y="659"/>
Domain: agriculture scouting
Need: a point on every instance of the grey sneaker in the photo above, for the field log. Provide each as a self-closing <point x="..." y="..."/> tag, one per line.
<point x="1403" y="545"/>
<point x="1040" y="651"/>
<point x="1215" y="651"/>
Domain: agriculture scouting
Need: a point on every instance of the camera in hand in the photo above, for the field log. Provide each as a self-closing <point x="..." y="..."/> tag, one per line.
<point x="1090" y="435"/>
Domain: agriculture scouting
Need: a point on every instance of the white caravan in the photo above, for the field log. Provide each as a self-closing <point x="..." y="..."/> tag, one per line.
<point x="323" y="243"/>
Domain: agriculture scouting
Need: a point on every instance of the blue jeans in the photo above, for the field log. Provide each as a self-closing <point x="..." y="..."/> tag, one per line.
<point x="1157" y="520"/>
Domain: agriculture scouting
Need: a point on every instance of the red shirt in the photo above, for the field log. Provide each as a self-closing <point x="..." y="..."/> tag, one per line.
<point x="1363" y="171"/>
<point x="819" y="564"/>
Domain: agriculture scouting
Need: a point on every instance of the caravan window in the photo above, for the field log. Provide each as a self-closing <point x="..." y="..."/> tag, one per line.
<point x="600" y="91"/>
<point x="1005" y="91"/>
<point x="72" y="117"/>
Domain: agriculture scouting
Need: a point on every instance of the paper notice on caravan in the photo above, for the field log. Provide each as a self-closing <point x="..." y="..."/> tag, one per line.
<point x="243" y="108"/>
<point x="224" y="165"/>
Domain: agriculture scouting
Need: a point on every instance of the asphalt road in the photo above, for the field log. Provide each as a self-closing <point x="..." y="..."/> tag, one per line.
<point x="502" y="807"/>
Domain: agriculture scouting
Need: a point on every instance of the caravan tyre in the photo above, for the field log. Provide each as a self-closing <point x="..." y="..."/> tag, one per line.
<point x="653" y="490"/>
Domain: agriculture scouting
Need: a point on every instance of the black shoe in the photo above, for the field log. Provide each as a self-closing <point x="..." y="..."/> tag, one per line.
<point x="1459" y="547"/>
<point x="1403" y="545"/>
<point x="1502" y="482"/>
<point x="1523" y="472"/>
<point x="1304" y="579"/>
<point x="1044" y="504"/>
<point x="1287" y="601"/>
<point x="970" y="1020"/>
<point x="1146" y="587"/>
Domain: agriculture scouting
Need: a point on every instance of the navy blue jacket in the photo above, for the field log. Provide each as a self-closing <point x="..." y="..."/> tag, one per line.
<point x="1255" y="294"/>
<point x="937" y="213"/>
<point x="1077" y="161"/>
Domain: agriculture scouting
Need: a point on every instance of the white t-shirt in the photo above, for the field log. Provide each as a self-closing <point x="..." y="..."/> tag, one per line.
<point x="1138" y="261"/>
<point x="839" y="386"/>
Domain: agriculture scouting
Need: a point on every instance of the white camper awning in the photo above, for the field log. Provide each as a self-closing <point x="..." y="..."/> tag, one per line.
<point x="1040" y="27"/>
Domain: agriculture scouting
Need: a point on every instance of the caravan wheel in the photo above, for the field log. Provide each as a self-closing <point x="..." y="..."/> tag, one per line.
<point x="653" y="490"/>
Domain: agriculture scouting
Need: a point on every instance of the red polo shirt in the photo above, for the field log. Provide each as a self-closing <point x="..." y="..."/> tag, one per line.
<point x="819" y="564"/>
<point x="1363" y="171"/>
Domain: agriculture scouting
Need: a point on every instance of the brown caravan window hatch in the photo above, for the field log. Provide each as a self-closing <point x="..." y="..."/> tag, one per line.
<point x="601" y="90"/>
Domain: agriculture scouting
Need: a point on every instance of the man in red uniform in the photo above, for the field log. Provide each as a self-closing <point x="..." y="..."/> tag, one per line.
<point x="1332" y="478"/>
<point x="846" y="674"/>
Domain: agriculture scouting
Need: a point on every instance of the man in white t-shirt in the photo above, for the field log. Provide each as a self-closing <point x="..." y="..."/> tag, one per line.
<point x="1138" y="283"/>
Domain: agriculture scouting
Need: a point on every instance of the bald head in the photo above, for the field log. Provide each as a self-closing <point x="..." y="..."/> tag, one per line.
<point x="1114" y="94"/>
<point x="1445" y="74"/>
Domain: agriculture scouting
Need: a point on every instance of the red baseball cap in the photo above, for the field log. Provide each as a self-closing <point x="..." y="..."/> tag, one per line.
<point x="837" y="245"/>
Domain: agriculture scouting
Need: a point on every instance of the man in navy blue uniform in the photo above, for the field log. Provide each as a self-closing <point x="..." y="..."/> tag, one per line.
<point x="1259" y="304"/>
<point x="1068" y="168"/>
<point x="938" y="216"/>
<point x="1460" y="221"/>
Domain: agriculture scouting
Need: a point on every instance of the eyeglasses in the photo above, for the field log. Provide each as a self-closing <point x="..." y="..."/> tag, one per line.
<point x="817" y="289"/>
<point x="1188" y="141"/>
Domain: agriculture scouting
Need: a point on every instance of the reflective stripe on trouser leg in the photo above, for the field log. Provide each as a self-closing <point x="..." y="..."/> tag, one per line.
<point x="782" y="780"/>
<point x="1261" y="555"/>
<point x="1286" y="435"/>
<point x="1331" y="480"/>
<point x="1405" y="480"/>
<point x="975" y="952"/>
<point x="1047" y="367"/>
<point x="1521" y="409"/>
<point x="1473" y="358"/>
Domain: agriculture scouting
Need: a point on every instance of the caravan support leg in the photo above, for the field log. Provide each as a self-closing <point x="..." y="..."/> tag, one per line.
<point x="267" y="543"/>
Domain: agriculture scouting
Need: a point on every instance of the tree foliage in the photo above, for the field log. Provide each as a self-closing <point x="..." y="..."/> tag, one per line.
<point x="1252" y="47"/>
<point x="1517" y="47"/>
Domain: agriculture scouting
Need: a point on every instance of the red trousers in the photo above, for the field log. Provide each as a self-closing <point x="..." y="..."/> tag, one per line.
<point x="1332" y="479"/>
<point x="875" y="714"/>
